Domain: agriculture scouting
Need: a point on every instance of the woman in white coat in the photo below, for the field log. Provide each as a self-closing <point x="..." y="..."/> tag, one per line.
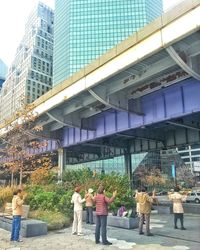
<point x="78" y="210"/>
<point x="178" y="211"/>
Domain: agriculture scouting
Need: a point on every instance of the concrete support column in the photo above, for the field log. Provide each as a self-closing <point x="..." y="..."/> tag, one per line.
<point x="128" y="163"/>
<point x="61" y="162"/>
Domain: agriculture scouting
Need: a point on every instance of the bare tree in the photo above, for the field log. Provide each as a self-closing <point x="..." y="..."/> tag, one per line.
<point x="20" y="140"/>
<point x="184" y="174"/>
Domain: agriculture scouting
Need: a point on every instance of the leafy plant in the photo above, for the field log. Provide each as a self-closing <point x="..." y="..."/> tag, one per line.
<point x="42" y="176"/>
<point x="6" y="194"/>
<point x="54" y="220"/>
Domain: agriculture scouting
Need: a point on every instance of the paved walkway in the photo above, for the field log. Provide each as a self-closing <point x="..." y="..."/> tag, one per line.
<point x="165" y="238"/>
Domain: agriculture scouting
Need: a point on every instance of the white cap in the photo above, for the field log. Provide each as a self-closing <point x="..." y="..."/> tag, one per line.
<point x="90" y="190"/>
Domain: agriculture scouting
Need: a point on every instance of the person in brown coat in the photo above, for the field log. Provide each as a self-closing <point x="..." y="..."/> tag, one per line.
<point x="178" y="211"/>
<point x="145" y="202"/>
<point x="17" y="202"/>
<point x="89" y="206"/>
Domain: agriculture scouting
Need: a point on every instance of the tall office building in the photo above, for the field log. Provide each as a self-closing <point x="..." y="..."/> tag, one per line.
<point x="191" y="157"/>
<point x="85" y="29"/>
<point x="30" y="74"/>
<point x="3" y="72"/>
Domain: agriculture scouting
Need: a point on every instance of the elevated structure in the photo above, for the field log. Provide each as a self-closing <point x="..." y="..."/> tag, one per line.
<point x="140" y="96"/>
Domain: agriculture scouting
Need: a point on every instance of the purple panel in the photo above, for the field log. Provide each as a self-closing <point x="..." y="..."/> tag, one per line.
<point x="148" y="106"/>
<point x="83" y="135"/>
<point x="53" y="145"/>
<point x="71" y="135"/>
<point x="77" y="135"/>
<point x="110" y="125"/>
<point x="122" y="120"/>
<point x="136" y="120"/>
<point x="173" y="100"/>
<point x="153" y="107"/>
<point x="65" y="137"/>
<point x="49" y="146"/>
<point x="91" y="135"/>
<point x="99" y="122"/>
<point x="191" y="94"/>
<point x="160" y="108"/>
<point x="39" y="150"/>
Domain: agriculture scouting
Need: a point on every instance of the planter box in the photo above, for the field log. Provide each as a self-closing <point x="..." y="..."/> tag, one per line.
<point x="84" y="216"/>
<point x="29" y="228"/>
<point x="116" y="221"/>
<point x="164" y="209"/>
<point x="123" y="222"/>
<point x="187" y="207"/>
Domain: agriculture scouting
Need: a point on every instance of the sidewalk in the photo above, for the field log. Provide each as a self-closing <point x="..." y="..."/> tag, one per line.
<point x="165" y="237"/>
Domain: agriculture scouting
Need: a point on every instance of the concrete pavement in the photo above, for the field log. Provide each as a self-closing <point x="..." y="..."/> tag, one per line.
<point x="165" y="237"/>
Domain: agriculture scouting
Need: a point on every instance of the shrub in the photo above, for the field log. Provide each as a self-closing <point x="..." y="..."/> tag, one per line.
<point x="43" y="200"/>
<point x="65" y="205"/>
<point x="57" y="200"/>
<point x="42" y="176"/>
<point x="6" y="194"/>
<point x="77" y="177"/>
<point x="54" y="220"/>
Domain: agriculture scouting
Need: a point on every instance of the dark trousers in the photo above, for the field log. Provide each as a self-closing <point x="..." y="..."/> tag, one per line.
<point x="89" y="215"/>
<point x="16" y="225"/>
<point x="101" y="224"/>
<point x="145" y="217"/>
<point x="176" y="217"/>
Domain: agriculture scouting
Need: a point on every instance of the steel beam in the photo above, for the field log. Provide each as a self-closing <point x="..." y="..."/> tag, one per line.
<point x="183" y="125"/>
<point x="79" y="104"/>
<point x="111" y="105"/>
<point x="139" y="137"/>
<point x="176" y="57"/>
<point x="59" y="118"/>
<point x="155" y="69"/>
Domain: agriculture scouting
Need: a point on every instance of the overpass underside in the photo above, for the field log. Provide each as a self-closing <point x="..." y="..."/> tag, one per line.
<point x="171" y="119"/>
<point x="152" y="105"/>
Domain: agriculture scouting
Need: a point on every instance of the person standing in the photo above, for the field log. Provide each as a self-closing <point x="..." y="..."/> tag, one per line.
<point x="17" y="202"/>
<point x="89" y="206"/>
<point x="145" y="202"/>
<point x="137" y="192"/>
<point x="101" y="215"/>
<point x="178" y="211"/>
<point x="78" y="210"/>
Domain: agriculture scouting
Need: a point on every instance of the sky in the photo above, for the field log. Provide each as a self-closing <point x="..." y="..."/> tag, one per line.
<point x="13" y="16"/>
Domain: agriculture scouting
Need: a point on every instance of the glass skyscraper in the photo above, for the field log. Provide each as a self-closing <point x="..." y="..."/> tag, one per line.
<point x="85" y="29"/>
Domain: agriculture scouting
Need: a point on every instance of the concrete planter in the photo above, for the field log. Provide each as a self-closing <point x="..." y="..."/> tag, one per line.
<point x="123" y="222"/>
<point x="84" y="216"/>
<point x="116" y="221"/>
<point x="29" y="228"/>
<point x="187" y="207"/>
<point x="163" y="209"/>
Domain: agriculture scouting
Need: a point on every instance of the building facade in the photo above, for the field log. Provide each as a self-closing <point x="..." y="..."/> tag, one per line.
<point x="85" y="29"/>
<point x="3" y="72"/>
<point x="30" y="74"/>
<point x="190" y="154"/>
